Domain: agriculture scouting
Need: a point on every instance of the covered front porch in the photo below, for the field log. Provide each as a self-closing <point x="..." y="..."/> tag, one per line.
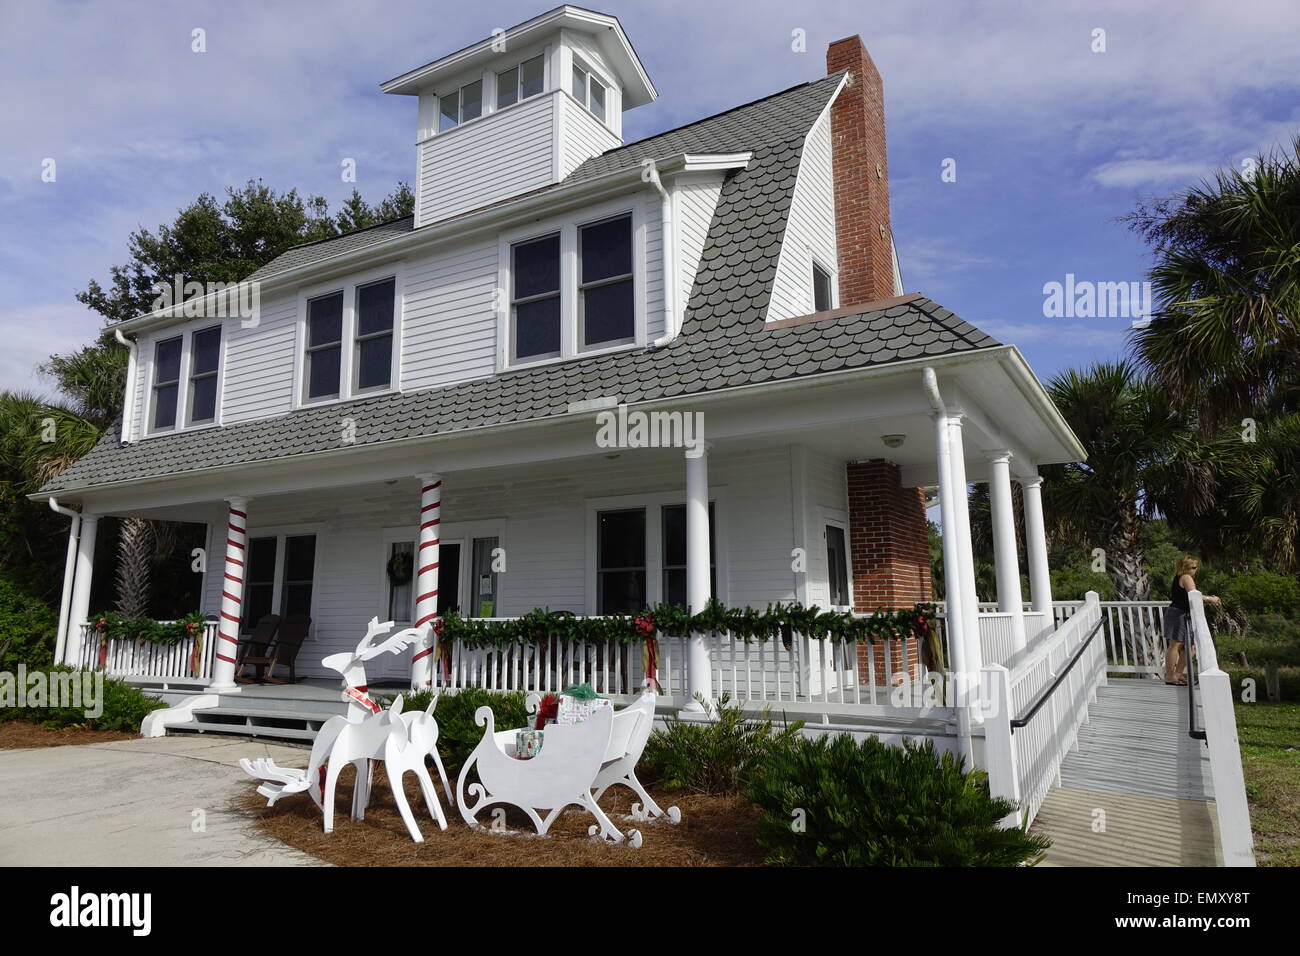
<point x="796" y="491"/>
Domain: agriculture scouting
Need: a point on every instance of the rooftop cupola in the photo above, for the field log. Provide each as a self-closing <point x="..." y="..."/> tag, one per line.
<point x="520" y="109"/>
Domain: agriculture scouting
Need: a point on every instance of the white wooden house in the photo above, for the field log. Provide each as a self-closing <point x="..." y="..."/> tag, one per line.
<point x="737" y="273"/>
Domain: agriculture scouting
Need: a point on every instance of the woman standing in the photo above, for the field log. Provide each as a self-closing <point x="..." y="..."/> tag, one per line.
<point x="1178" y="618"/>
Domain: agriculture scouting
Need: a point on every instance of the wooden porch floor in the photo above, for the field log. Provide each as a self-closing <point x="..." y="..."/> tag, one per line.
<point x="1137" y="792"/>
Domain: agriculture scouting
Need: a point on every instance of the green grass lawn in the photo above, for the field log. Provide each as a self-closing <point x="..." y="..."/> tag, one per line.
<point x="1270" y="756"/>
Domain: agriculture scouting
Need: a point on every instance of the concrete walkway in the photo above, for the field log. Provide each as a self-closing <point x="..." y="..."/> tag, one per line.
<point x="1137" y="792"/>
<point x="134" y="803"/>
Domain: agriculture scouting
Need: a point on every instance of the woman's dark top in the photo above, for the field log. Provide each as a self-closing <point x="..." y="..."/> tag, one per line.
<point x="1178" y="595"/>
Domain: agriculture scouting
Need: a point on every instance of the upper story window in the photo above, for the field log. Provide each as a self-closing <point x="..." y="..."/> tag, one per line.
<point x="606" y="310"/>
<point x="185" y="374"/>
<point x="574" y="289"/>
<point x="324" y="345"/>
<point x="588" y="90"/>
<point x="166" y="382"/>
<point x="374" y="351"/>
<point x="460" y="105"/>
<point x="522" y="81"/>
<point x="821" y="285"/>
<point x="535" y="298"/>
<point x="205" y="353"/>
<point x="349" y="342"/>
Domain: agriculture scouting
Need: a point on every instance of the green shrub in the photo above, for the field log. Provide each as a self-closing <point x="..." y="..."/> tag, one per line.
<point x="715" y="757"/>
<point x="1262" y="592"/>
<point x="1072" y="583"/>
<point x="124" y="706"/>
<point x="871" y="805"/>
<point x="27" y="629"/>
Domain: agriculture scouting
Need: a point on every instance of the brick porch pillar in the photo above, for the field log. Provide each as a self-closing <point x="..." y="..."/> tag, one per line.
<point x="889" y="554"/>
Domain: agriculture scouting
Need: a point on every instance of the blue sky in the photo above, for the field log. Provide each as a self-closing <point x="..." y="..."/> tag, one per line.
<point x="1051" y="140"/>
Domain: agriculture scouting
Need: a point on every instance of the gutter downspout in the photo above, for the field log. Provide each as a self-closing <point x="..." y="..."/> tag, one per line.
<point x="69" y="571"/>
<point x="668" y="256"/>
<point x="951" y="562"/>
<point x="128" y="410"/>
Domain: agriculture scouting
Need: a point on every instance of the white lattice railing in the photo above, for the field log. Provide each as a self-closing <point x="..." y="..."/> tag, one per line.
<point x="130" y="658"/>
<point x="1033" y="711"/>
<point x="883" y="678"/>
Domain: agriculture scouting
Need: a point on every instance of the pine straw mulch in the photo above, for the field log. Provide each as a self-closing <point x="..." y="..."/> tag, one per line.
<point x="715" y="831"/>
<point x="23" y="735"/>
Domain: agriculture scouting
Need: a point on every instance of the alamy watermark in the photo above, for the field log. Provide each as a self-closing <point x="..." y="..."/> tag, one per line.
<point x="203" y="300"/>
<point x="1084" y="299"/>
<point x="82" y="690"/>
<point x="638" y="429"/>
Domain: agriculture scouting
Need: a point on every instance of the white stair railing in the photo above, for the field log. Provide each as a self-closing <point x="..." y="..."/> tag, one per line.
<point x="1235" y="838"/>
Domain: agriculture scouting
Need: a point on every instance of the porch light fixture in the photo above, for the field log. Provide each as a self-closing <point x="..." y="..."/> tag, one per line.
<point x="893" y="441"/>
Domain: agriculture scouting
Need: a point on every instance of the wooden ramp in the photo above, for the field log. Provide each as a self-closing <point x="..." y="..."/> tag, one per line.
<point x="1137" y="791"/>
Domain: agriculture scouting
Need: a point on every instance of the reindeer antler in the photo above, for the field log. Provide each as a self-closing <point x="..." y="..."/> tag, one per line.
<point x="373" y="629"/>
<point x="395" y="642"/>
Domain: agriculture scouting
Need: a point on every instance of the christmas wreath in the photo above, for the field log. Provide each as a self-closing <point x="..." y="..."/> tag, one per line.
<point x="400" y="567"/>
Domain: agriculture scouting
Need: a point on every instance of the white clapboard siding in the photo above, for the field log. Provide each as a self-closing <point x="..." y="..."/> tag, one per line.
<point x="449" y="322"/>
<point x="486" y="160"/>
<point x="259" y="362"/>
<point x="826" y="489"/>
<point x="696" y="201"/>
<point x="582" y="136"/>
<point x="810" y="229"/>
<point x="652" y="211"/>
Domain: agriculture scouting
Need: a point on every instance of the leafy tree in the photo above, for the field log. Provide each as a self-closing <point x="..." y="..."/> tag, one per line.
<point x="1223" y="340"/>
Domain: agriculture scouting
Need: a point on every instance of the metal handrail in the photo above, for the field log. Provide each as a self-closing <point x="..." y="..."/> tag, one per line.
<point x="1024" y="721"/>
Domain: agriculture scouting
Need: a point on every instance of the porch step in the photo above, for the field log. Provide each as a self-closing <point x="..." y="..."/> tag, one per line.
<point x="293" y="734"/>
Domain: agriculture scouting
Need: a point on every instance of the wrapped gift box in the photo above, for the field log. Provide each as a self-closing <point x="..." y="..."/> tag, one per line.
<point x="528" y="743"/>
<point x="572" y="710"/>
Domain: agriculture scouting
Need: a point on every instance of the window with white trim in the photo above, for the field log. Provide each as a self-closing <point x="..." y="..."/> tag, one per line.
<point x="589" y="90"/>
<point x="205" y="357"/>
<point x="460" y="105"/>
<point x="535" y="299"/>
<point x="522" y="81"/>
<point x="821" y="288"/>
<point x="606" y="308"/>
<point x="349" y="338"/>
<point x="166" y="382"/>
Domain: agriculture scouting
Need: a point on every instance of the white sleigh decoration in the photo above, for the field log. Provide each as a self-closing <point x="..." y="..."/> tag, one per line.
<point x="364" y="735"/>
<point x="574" y="760"/>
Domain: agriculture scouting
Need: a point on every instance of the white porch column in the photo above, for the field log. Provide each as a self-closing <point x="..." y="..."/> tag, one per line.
<point x="232" y="596"/>
<point x="1005" y="557"/>
<point x="81" y="587"/>
<point x="426" y="577"/>
<point x="69" y="575"/>
<point x="1040" y="575"/>
<point x="961" y="516"/>
<point x="953" y="619"/>
<point x="699" y="668"/>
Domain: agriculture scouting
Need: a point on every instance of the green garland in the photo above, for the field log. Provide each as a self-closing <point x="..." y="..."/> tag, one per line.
<point x="779" y="621"/>
<point x="114" y="627"/>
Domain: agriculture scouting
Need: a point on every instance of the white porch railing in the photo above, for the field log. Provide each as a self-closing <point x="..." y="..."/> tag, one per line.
<point x="830" y="678"/>
<point x="1131" y="629"/>
<point x="130" y="658"/>
<point x="1033" y="711"/>
<point x="1215" y="691"/>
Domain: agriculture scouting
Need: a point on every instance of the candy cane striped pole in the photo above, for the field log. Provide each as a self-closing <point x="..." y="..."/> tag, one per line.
<point x="232" y="596"/>
<point x="426" y="578"/>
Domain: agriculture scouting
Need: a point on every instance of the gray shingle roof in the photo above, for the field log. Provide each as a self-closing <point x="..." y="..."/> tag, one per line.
<point x="724" y="341"/>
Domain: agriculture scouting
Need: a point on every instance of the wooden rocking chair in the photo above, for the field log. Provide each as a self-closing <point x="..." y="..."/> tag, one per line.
<point x="285" y="650"/>
<point x="256" y="645"/>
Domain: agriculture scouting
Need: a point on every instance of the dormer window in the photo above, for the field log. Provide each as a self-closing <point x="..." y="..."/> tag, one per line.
<point x="185" y="373"/>
<point x="324" y="345"/>
<point x="205" y="351"/>
<point x="459" y="106"/>
<point x="535" y="302"/>
<point x="520" y="82"/>
<point x="374" y="359"/>
<point x="588" y="90"/>
<point x="606" y="313"/>
<point x="821" y="288"/>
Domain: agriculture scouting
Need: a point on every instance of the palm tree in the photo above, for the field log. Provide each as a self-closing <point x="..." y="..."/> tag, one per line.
<point x="1132" y="436"/>
<point x="1223" y="339"/>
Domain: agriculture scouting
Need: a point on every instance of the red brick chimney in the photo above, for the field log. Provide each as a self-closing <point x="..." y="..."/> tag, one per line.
<point x="861" y="169"/>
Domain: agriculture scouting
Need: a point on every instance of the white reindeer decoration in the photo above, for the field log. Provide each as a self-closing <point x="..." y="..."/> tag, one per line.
<point x="365" y="734"/>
